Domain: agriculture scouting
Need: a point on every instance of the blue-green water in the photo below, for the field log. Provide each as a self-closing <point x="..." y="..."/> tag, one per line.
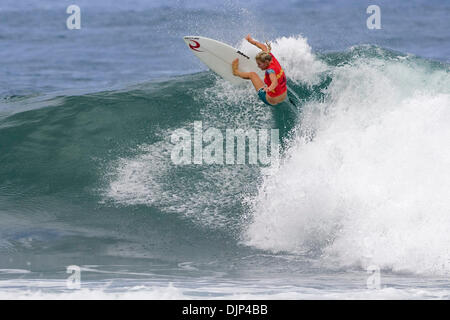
<point x="86" y="175"/>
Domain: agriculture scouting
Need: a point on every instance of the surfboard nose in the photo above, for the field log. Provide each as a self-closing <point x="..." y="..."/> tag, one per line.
<point x="193" y="42"/>
<point x="187" y="39"/>
<point x="219" y="56"/>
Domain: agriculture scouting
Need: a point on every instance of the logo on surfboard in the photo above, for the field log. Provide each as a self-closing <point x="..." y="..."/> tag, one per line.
<point x="194" y="46"/>
<point x="243" y="54"/>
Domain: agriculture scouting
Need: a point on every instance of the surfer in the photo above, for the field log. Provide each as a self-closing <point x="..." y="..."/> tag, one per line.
<point x="273" y="90"/>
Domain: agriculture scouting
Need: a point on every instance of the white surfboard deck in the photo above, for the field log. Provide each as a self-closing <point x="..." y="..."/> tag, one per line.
<point x="218" y="56"/>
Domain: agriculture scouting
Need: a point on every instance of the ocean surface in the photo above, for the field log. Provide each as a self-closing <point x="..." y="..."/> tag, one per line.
<point x="356" y="207"/>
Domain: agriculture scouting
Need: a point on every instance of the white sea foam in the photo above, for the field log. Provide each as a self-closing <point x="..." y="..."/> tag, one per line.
<point x="149" y="179"/>
<point x="56" y="290"/>
<point x="373" y="184"/>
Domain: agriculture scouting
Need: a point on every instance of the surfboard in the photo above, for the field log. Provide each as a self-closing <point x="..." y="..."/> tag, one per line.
<point x="218" y="56"/>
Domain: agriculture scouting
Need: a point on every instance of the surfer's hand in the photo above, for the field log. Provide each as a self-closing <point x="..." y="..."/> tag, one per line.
<point x="249" y="38"/>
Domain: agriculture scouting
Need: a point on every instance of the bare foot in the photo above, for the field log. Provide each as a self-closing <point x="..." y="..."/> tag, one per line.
<point x="235" y="66"/>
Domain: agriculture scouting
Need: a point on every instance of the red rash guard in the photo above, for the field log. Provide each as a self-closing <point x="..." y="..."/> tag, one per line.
<point x="274" y="67"/>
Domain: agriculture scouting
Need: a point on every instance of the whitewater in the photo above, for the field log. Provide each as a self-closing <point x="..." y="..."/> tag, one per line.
<point x="366" y="179"/>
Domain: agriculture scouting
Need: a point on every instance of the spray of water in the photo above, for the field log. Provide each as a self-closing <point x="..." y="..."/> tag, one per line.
<point x="367" y="177"/>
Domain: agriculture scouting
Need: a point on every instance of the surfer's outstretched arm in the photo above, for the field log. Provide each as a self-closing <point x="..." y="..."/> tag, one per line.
<point x="260" y="45"/>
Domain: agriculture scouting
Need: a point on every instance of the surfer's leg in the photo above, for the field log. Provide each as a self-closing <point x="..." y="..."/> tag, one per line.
<point x="253" y="76"/>
<point x="256" y="80"/>
<point x="263" y="96"/>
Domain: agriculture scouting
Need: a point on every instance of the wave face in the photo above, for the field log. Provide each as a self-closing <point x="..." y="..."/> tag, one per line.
<point x="364" y="177"/>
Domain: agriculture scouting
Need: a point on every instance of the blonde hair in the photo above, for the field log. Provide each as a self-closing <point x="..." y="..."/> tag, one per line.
<point x="265" y="55"/>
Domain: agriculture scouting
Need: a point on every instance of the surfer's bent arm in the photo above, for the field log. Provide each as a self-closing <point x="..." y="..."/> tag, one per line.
<point x="274" y="83"/>
<point x="260" y="45"/>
